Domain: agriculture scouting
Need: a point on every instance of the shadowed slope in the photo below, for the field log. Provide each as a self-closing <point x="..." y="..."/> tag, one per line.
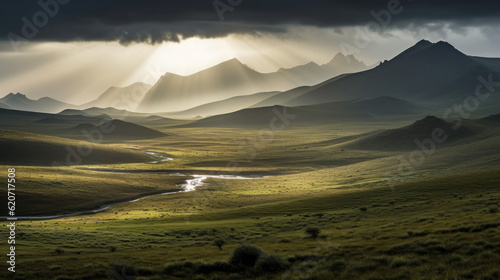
<point x="422" y="131"/>
<point x="35" y="149"/>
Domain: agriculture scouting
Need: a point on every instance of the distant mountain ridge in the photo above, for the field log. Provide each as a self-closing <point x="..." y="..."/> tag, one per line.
<point x="430" y="72"/>
<point x="326" y="113"/>
<point x="223" y="106"/>
<point x="232" y="78"/>
<point x="125" y="98"/>
<point x="436" y="74"/>
<point x="20" y="102"/>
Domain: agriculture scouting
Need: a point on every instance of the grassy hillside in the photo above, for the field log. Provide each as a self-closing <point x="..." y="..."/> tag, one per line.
<point x="442" y="221"/>
<point x="61" y="190"/>
<point x="22" y="148"/>
<point x="425" y="129"/>
<point x="421" y="230"/>
<point x="81" y="126"/>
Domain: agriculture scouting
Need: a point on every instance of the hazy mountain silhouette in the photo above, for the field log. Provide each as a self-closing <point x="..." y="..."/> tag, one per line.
<point x="232" y="78"/>
<point x="344" y="111"/>
<point x="73" y="112"/>
<point x="434" y="73"/>
<point x="126" y="98"/>
<point x="19" y="101"/>
<point x="95" y="111"/>
<point x="284" y="97"/>
<point x="112" y="113"/>
<point x="224" y="106"/>
<point x="341" y="64"/>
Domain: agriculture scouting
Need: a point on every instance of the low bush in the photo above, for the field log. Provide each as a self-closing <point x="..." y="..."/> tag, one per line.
<point x="246" y="255"/>
<point x="338" y="265"/>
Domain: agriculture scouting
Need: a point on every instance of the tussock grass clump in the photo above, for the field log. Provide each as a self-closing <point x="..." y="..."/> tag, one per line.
<point x="64" y="277"/>
<point x="363" y="266"/>
<point x="313" y="231"/>
<point x="124" y="270"/>
<point x="59" y="251"/>
<point x="453" y="259"/>
<point x="271" y="263"/>
<point x="302" y="258"/>
<point x="337" y="266"/>
<point x="179" y="269"/>
<point x="403" y="248"/>
<point x="246" y="255"/>
<point x="489" y="256"/>
<point x="381" y="260"/>
<point x="218" y="266"/>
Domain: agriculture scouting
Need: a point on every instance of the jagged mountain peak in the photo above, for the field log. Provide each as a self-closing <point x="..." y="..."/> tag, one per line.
<point x="16" y="95"/>
<point x="341" y="59"/>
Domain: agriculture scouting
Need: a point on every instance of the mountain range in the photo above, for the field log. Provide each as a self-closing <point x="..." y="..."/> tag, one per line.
<point x="232" y="78"/>
<point x="177" y="93"/>
<point x="20" y="102"/>
<point x="434" y="75"/>
<point x="428" y="72"/>
<point x="126" y="98"/>
<point x="364" y="110"/>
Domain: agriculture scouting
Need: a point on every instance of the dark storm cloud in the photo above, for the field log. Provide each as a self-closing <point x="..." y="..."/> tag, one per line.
<point x="154" y="21"/>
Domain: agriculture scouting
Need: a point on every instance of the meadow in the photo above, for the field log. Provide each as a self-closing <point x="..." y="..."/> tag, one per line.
<point x="441" y="222"/>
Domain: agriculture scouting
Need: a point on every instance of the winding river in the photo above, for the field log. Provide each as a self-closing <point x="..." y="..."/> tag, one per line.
<point x="190" y="185"/>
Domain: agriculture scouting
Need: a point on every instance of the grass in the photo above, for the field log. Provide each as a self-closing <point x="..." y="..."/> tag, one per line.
<point x="22" y="148"/>
<point x="433" y="227"/>
<point x="49" y="191"/>
<point x="369" y="244"/>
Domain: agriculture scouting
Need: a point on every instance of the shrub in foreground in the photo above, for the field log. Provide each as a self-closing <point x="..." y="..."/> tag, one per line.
<point x="246" y="255"/>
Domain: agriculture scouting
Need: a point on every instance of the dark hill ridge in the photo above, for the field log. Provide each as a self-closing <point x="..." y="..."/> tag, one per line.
<point x="115" y="130"/>
<point x="347" y="111"/>
<point x="35" y="149"/>
<point x="96" y="111"/>
<point x="427" y="72"/>
<point x="405" y="138"/>
<point x="72" y="125"/>
<point x="84" y="126"/>
<point x="72" y="112"/>
<point x="379" y="106"/>
<point x="494" y="118"/>
<point x="53" y="120"/>
<point x="130" y="130"/>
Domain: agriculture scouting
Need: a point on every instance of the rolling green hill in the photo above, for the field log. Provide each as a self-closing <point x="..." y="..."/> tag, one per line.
<point x="22" y="148"/>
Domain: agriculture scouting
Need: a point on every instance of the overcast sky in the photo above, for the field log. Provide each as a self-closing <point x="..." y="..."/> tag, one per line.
<point x="74" y="50"/>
